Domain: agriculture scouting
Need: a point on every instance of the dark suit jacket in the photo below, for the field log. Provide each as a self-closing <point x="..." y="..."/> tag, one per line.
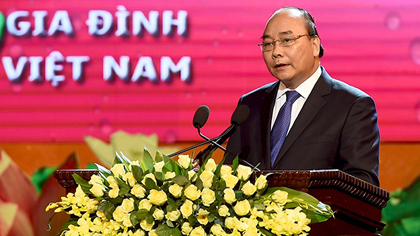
<point x="336" y="129"/>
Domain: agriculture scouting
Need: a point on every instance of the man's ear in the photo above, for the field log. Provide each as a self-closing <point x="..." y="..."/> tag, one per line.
<point x="316" y="44"/>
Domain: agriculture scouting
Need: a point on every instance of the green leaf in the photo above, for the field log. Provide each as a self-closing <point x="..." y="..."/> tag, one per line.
<point x="107" y="207"/>
<point x="41" y="176"/>
<point x="219" y="167"/>
<point x="124" y="188"/>
<point x="150" y="184"/>
<point x="149" y="218"/>
<point x="314" y="209"/>
<point x="137" y="172"/>
<point x="180" y="180"/>
<point x="158" y="157"/>
<point x="2" y="25"/>
<point x="164" y="230"/>
<point x="103" y="171"/>
<point x="133" y="218"/>
<point x="141" y="214"/>
<point x="235" y="164"/>
<point x="147" y="163"/>
<point x="121" y="159"/>
<point x="83" y="183"/>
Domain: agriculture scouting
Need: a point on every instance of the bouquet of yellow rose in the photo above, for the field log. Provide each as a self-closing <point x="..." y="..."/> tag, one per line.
<point x="165" y="197"/>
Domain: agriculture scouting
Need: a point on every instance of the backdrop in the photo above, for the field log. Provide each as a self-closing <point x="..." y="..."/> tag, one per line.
<point x="70" y="69"/>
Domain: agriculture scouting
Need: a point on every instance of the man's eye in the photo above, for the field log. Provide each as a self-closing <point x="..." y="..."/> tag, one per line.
<point x="268" y="44"/>
<point x="287" y="40"/>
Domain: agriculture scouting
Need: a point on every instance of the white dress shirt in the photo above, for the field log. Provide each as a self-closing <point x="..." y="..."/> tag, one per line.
<point x="304" y="89"/>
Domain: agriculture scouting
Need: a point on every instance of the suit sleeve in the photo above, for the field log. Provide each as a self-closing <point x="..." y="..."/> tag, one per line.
<point x="233" y="147"/>
<point x="359" y="146"/>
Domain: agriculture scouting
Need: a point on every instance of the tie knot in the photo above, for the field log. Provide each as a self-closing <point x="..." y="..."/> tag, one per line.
<point x="292" y="96"/>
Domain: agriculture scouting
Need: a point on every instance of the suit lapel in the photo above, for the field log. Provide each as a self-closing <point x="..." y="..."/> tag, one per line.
<point x="309" y="110"/>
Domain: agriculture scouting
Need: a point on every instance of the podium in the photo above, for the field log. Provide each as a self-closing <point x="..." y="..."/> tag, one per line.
<point x="357" y="203"/>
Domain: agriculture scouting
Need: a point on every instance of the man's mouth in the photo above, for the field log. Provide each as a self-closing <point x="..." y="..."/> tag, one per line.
<point x="279" y="66"/>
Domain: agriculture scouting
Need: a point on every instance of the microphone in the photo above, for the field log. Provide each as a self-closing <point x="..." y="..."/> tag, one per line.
<point x="240" y="114"/>
<point x="201" y="116"/>
<point x="199" y="120"/>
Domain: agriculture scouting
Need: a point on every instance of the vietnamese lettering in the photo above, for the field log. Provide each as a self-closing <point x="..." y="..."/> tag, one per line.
<point x="99" y="22"/>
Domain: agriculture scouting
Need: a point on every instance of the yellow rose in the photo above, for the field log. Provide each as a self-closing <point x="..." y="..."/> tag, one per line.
<point x="173" y="215"/>
<point x="207" y="178"/>
<point x="261" y="182"/>
<point x="184" y="161"/>
<point x="145" y="204"/>
<point x="101" y="215"/>
<point x="170" y="175"/>
<point x="113" y="193"/>
<point x="127" y="221"/>
<point x="138" y="191"/>
<point x="244" y="172"/>
<point x="153" y="233"/>
<point x="134" y="163"/>
<point x="157" y="197"/>
<point x="192" y="175"/>
<point x="225" y="170"/>
<point x="210" y="165"/>
<point x="151" y="176"/>
<point x="129" y="179"/>
<point x="127" y="205"/>
<point x="159" y="166"/>
<point x="198" y="231"/>
<point x="208" y="196"/>
<point x="230" y="180"/>
<point x="202" y="216"/>
<point x="192" y="192"/>
<point x="280" y="197"/>
<point x="186" y="228"/>
<point x="118" y="214"/>
<point x="112" y="182"/>
<point x="139" y="232"/>
<point x="95" y="179"/>
<point x="229" y="195"/>
<point x="217" y="230"/>
<point x="97" y="190"/>
<point x="249" y="189"/>
<point x="187" y="208"/>
<point x="79" y="192"/>
<point x="242" y="207"/>
<point x="230" y="222"/>
<point x="175" y="190"/>
<point x="144" y="225"/>
<point x="223" y="211"/>
<point x="158" y="214"/>
<point x="118" y="170"/>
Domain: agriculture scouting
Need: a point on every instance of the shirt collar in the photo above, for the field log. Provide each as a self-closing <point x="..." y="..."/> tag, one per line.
<point x="305" y="88"/>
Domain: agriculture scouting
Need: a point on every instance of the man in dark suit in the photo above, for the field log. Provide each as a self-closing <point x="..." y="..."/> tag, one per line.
<point x="331" y="125"/>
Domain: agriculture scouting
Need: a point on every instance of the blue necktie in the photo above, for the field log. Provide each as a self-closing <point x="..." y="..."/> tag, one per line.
<point x="281" y="126"/>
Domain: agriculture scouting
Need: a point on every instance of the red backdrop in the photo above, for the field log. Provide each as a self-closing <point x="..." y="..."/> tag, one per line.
<point x="373" y="45"/>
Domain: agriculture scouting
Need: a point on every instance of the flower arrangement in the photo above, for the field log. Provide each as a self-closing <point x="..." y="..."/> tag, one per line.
<point x="165" y="197"/>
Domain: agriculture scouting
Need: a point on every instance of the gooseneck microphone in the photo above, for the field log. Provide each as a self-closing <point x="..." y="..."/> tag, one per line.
<point x="240" y="114"/>
<point x="201" y="116"/>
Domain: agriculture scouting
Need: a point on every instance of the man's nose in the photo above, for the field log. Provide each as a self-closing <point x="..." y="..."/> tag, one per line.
<point x="277" y="50"/>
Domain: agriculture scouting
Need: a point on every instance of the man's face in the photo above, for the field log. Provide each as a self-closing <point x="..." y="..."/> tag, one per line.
<point x="295" y="63"/>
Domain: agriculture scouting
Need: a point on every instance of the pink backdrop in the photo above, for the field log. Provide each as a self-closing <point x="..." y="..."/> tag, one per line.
<point x="373" y="45"/>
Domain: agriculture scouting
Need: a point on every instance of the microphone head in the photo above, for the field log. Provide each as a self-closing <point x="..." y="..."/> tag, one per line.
<point x="240" y="114"/>
<point x="201" y="116"/>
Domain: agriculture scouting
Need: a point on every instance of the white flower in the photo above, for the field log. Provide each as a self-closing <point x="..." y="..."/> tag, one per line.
<point x="118" y="170"/>
<point x="159" y="166"/>
<point x="210" y="165"/>
<point x="244" y="172"/>
<point x="184" y="161"/>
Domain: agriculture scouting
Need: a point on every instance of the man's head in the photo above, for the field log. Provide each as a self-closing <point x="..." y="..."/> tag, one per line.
<point x="291" y="46"/>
